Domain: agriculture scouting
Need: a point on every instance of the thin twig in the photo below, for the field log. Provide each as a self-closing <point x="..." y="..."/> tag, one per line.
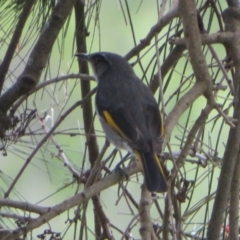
<point x="44" y="139"/>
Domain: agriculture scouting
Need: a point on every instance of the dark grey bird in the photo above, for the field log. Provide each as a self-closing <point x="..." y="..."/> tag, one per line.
<point x="129" y="114"/>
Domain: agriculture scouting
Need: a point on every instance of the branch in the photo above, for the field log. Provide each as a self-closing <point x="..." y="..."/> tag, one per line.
<point x="169" y="62"/>
<point x="91" y="145"/>
<point x="24" y="206"/>
<point x="188" y="13"/>
<point x="234" y="202"/>
<point x="146" y="227"/>
<point x="44" y="139"/>
<point x="104" y="221"/>
<point x="15" y="217"/>
<point x="74" y="201"/>
<point x="203" y="84"/>
<point x="38" y="57"/>
<point x="220" y="37"/>
<point x="182" y="105"/>
<point x="48" y="82"/>
<point x="61" y="154"/>
<point x="14" y="41"/>
<point x="88" y="116"/>
<point x="155" y="29"/>
<point x="191" y="136"/>
<point x="231" y="18"/>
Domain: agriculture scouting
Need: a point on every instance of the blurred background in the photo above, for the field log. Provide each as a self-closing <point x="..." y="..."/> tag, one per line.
<point x="112" y="26"/>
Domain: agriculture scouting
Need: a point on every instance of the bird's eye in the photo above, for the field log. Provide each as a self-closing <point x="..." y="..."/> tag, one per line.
<point x="101" y="60"/>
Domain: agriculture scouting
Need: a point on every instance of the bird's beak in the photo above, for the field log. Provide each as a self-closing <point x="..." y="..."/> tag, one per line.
<point x="83" y="56"/>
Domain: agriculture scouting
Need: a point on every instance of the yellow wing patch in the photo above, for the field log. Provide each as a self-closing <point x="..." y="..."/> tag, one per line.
<point x="159" y="164"/>
<point x="112" y="124"/>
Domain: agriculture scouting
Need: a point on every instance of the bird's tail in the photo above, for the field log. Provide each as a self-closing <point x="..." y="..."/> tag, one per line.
<point x="153" y="171"/>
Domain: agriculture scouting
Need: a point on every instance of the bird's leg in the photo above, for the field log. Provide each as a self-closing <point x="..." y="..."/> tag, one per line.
<point x="118" y="166"/>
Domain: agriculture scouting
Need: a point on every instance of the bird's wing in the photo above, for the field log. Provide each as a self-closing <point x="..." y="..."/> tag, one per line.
<point x="124" y="124"/>
<point x="155" y="125"/>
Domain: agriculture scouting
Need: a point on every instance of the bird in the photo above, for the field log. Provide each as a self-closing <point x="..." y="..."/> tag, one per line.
<point x="129" y="114"/>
